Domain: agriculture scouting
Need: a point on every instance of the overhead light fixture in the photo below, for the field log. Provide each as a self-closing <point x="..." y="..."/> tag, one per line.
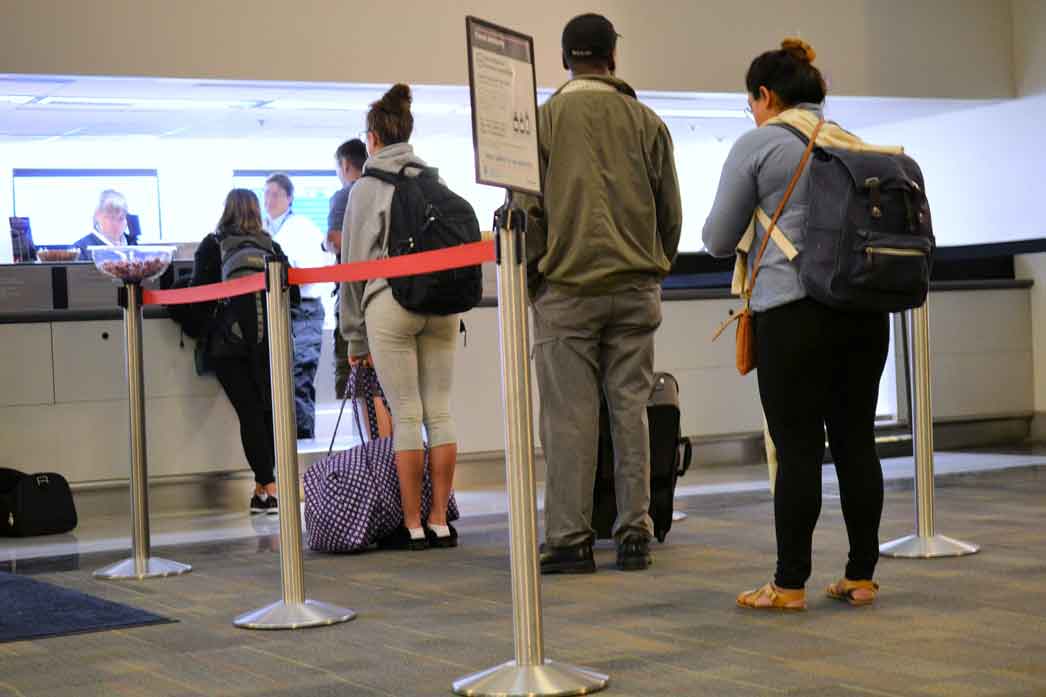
<point x="73" y="132"/>
<point x="15" y="99"/>
<point x="148" y="103"/>
<point x="703" y="113"/>
<point x="440" y="109"/>
<point x="314" y="105"/>
<point x="357" y="106"/>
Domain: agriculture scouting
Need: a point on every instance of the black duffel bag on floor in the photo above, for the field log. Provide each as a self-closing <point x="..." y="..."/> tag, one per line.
<point x="35" y="504"/>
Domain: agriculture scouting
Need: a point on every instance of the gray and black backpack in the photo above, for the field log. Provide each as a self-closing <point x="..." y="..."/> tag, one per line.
<point x="241" y="255"/>
<point x="868" y="242"/>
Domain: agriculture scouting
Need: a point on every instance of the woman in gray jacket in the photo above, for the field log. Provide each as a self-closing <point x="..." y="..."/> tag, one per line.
<point x="817" y="367"/>
<point x="412" y="353"/>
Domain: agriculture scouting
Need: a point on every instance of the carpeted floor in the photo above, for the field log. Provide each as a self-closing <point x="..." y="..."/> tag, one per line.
<point x="974" y="626"/>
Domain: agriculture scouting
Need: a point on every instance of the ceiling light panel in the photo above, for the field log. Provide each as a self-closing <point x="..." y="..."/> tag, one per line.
<point x="148" y="103"/>
<point x="316" y="105"/>
<point x="702" y="113"/>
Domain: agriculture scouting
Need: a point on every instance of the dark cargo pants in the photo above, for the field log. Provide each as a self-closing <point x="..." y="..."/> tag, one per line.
<point x="583" y="345"/>
<point x="307" y="325"/>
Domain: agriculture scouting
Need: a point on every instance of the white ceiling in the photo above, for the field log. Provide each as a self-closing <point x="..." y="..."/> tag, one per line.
<point x="93" y="107"/>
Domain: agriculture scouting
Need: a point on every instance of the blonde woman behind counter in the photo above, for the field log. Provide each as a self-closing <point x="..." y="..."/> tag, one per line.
<point x="109" y="224"/>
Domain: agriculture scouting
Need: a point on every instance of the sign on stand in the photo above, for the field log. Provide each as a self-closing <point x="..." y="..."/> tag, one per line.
<point x="505" y="131"/>
<point x="503" y="89"/>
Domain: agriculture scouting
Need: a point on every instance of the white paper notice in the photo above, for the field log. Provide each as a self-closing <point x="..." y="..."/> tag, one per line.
<point x="504" y="108"/>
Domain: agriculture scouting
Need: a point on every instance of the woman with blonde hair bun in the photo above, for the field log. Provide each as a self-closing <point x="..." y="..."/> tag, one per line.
<point x="818" y="367"/>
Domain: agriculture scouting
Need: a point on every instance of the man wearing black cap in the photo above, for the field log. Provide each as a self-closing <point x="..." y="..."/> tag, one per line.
<point x="601" y="239"/>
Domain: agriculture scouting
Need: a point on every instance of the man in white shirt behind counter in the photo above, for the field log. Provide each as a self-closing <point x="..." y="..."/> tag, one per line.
<point x="302" y="242"/>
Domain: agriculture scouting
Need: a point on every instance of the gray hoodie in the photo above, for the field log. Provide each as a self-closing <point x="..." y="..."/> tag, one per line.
<point x="364" y="236"/>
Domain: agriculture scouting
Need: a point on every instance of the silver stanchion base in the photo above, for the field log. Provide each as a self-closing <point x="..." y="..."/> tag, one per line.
<point x="154" y="568"/>
<point x="512" y="680"/>
<point x="678" y="516"/>
<point x="915" y="547"/>
<point x="311" y="613"/>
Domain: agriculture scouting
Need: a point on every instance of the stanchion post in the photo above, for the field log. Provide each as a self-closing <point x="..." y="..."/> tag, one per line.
<point x="531" y="673"/>
<point x="925" y="543"/>
<point x="141" y="565"/>
<point x="293" y="611"/>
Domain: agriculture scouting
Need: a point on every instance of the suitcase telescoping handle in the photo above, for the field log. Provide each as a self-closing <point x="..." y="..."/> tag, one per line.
<point x="688" y="453"/>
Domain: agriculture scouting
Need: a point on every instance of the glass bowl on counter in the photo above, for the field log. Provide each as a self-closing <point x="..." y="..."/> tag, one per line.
<point x="57" y="255"/>
<point x="132" y="264"/>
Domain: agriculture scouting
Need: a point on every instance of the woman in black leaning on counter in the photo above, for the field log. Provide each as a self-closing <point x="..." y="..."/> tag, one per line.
<point x="237" y="335"/>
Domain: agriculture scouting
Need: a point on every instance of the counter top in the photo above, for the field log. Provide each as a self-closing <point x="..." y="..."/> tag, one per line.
<point x="668" y="294"/>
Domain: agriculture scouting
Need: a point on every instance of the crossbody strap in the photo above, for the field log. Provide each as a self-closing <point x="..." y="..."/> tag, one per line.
<point x="780" y="209"/>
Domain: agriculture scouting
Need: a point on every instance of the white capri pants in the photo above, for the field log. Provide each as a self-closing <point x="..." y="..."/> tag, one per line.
<point x="414" y="357"/>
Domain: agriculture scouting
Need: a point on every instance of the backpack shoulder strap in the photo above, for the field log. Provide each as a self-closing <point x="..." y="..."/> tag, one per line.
<point x="780" y="209"/>
<point x="382" y="175"/>
<point x="423" y="171"/>
<point x="793" y="130"/>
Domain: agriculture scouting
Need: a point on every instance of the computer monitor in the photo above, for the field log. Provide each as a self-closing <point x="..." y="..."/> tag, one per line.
<point x="134" y="229"/>
<point x="22" y="247"/>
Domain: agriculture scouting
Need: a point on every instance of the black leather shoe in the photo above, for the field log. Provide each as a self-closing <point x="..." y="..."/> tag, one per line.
<point x="435" y="540"/>
<point x="400" y="539"/>
<point x="633" y="553"/>
<point x="575" y="559"/>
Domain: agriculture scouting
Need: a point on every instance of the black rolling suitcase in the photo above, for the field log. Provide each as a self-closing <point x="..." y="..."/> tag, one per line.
<point x="670" y="456"/>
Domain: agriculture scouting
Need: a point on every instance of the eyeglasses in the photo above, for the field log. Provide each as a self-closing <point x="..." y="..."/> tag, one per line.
<point x="748" y="112"/>
<point x="362" y="135"/>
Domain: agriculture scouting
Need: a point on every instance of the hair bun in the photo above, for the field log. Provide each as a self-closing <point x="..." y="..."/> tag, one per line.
<point x="799" y="48"/>
<point x="397" y="99"/>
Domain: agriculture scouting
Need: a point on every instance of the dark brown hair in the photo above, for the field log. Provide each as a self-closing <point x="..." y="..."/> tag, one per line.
<point x="789" y="73"/>
<point x="242" y="214"/>
<point x="390" y="118"/>
<point x="352" y="151"/>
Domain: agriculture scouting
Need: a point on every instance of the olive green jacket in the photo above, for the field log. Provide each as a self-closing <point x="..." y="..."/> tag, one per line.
<point x="611" y="215"/>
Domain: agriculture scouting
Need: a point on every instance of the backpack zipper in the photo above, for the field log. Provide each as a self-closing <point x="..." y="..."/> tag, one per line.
<point x="894" y="252"/>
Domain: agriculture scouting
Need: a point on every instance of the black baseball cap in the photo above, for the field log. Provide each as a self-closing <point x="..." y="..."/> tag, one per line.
<point x="588" y="36"/>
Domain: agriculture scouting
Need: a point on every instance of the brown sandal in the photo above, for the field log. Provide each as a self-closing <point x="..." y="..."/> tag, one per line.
<point x="770" y="597"/>
<point x="856" y="593"/>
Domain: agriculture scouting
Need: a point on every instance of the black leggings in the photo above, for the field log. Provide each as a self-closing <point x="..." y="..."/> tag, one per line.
<point x="248" y="386"/>
<point x="820" y="368"/>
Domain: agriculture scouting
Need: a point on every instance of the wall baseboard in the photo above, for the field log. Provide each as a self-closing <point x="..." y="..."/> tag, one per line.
<point x="230" y="491"/>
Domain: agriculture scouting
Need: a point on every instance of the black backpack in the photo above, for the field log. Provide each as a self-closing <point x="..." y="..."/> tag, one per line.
<point x="426" y="216"/>
<point x="868" y="242"/>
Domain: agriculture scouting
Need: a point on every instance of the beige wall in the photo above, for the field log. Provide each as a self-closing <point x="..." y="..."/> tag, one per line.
<point x="918" y="48"/>
<point x="1029" y="46"/>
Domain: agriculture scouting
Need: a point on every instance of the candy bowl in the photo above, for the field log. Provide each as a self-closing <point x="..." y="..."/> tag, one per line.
<point x="53" y="255"/>
<point x="132" y="264"/>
